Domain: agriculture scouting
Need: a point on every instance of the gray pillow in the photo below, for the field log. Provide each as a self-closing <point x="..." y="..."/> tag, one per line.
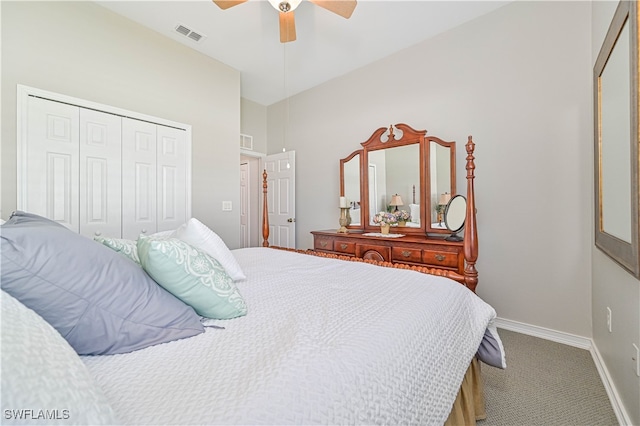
<point x="97" y="299"/>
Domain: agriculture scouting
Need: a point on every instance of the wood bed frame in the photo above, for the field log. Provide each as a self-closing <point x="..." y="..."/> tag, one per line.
<point x="470" y="243"/>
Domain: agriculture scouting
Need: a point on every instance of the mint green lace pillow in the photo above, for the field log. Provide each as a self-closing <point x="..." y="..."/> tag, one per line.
<point x="126" y="247"/>
<point x="192" y="276"/>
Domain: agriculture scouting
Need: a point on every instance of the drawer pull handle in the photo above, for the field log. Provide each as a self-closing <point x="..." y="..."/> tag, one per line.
<point x="406" y="253"/>
<point x="440" y="257"/>
<point x="343" y="246"/>
<point x="323" y="243"/>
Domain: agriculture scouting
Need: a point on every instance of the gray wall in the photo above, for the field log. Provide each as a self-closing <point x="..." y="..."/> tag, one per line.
<point x="520" y="81"/>
<point x="83" y="50"/>
<point x="613" y="287"/>
<point x="523" y="94"/>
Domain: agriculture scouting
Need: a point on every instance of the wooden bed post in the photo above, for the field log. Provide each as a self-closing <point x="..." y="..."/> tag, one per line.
<point x="265" y="211"/>
<point x="470" y="228"/>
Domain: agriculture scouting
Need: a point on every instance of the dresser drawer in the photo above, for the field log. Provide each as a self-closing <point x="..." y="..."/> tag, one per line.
<point x="324" y="244"/>
<point x="401" y="254"/>
<point x="440" y="258"/>
<point x="346" y="247"/>
<point x="373" y="252"/>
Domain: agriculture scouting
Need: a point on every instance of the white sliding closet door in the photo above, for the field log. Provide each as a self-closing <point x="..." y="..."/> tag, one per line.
<point x="139" y="184"/>
<point x="100" y="168"/>
<point x="173" y="188"/>
<point x="50" y="162"/>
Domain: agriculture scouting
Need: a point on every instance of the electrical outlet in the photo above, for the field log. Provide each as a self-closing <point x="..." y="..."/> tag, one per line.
<point x="226" y="206"/>
<point x="609" y="319"/>
<point x="636" y="359"/>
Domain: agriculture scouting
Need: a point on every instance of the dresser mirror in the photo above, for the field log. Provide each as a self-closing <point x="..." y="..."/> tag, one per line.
<point x="350" y="186"/>
<point x="399" y="168"/>
<point x="395" y="172"/>
<point x="454" y="216"/>
<point x="616" y="140"/>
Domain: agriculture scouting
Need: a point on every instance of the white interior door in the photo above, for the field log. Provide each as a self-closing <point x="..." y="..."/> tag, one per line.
<point x="172" y="158"/>
<point x="139" y="187"/>
<point x="49" y="162"/>
<point x="281" y="198"/>
<point x="100" y="167"/>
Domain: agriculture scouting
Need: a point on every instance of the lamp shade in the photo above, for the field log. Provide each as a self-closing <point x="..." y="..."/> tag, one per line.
<point x="444" y="198"/>
<point x="396" y="200"/>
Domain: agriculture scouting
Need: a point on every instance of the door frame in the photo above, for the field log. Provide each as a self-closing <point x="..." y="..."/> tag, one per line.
<point x="255" y="197"/>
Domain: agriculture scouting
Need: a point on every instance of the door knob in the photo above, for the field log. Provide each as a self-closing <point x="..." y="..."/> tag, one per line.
<point x="291" y="219"/>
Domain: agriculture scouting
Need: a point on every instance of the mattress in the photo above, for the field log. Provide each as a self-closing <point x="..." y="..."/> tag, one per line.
<point x="325" y="341"/>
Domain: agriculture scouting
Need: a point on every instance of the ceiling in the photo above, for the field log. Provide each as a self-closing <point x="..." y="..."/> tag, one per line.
<point x="246" y="37"/>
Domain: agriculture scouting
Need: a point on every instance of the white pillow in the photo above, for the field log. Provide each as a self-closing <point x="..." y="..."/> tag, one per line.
<point x="198" y="235"/>
<point x="43" y="379"/>
<point x="1" y="222"/>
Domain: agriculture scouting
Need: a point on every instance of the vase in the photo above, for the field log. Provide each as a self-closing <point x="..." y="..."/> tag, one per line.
<point x="384" y="228"/>
<point x="402" y="223"/>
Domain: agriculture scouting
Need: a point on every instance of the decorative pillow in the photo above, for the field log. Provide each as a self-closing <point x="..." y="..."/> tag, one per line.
<point x="197" y="234"/>
<point x="191" y="275"/>
<point x="43" y="379"/>
<point x="128" y="248"/>
<point x="98" y="300"/>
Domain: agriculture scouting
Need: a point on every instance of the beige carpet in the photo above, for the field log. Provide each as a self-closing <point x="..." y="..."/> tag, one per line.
<point x="545" y="383"/>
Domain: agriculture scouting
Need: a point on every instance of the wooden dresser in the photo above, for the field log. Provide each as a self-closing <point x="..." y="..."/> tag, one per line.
<point x="432" y="252"/>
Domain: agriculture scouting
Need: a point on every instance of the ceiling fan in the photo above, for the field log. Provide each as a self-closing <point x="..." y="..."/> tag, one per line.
<point x="343" y="8"/>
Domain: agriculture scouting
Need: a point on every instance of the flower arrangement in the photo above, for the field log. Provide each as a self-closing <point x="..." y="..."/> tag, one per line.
<point x="402" y="216"/>
<point x="385" y="218"/>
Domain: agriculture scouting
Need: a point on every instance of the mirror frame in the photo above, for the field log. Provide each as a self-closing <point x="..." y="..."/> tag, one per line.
<point x="623" y="252"/>
<point x="446" y="213"/>
<point x="343" y="161"/>
<point x="386" y="137"/>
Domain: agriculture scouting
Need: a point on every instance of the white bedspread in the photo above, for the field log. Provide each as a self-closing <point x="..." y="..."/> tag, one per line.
<point x="324" y="342"/>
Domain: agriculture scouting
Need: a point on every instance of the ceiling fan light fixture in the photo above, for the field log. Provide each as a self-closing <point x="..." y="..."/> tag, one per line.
<point x="285" y="5"/>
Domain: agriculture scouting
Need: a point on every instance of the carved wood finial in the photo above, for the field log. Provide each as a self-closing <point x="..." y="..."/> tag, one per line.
<point x="391" y="135"/>
<point x="265" y="212"/>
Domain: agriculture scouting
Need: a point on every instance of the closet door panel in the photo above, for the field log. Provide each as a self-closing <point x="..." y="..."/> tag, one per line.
<point x="139" y="181"/>
<point x="49" y="162"/>
<point x="172" y="178"/>
<point x="100" y="171"/>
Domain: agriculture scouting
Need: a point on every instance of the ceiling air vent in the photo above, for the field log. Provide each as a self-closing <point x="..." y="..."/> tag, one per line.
<point x="188" y="32"/>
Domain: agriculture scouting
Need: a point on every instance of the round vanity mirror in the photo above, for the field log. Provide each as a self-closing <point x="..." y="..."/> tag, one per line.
<point x="454" y="216"/>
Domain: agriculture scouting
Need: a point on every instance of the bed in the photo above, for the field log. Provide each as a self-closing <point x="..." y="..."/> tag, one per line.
<point x="175" y="328"/>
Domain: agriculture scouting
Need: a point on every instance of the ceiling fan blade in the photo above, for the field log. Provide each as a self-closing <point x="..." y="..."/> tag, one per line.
<point x="226" y="4"/>
<point x="343" y="8"/>
<point x="287" y="27"/>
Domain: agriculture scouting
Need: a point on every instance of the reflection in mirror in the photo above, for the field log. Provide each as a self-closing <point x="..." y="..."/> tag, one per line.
<point x="440" y="166"/>
<point x="615" y="122"/>
<point x="351" y="170"/>
<point x="454" y="216"/>
<point x="394" y="171"/>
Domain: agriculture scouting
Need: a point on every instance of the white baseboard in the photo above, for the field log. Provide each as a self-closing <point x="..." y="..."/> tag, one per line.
<point x="578" y="342"/>
<point x="616" y="402"/>
<point x="545" y="333"/>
